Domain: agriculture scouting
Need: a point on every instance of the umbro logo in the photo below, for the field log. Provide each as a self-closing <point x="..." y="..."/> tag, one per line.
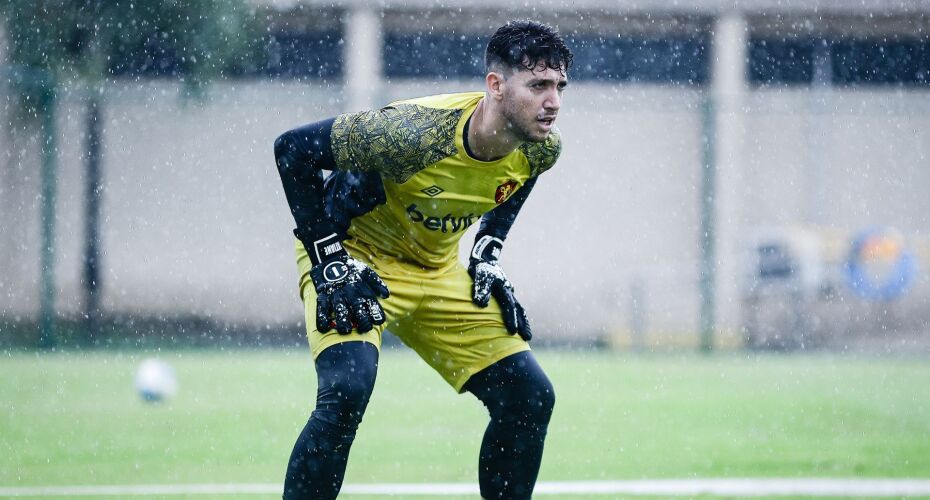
<point x="432" y="191"/>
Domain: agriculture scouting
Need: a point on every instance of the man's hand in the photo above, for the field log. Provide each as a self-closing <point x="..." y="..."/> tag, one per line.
<point x="347" y="295"/>
<point x="490" y="280"/>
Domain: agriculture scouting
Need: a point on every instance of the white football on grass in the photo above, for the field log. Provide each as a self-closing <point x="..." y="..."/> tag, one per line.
<point x="155" y="380"/>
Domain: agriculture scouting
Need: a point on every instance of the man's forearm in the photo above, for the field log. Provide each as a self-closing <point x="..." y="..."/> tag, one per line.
<point x="301" y="155"/>
<point x="497" y="222"/>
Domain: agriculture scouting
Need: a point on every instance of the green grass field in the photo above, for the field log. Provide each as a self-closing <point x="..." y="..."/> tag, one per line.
<point x="74" y="418"/>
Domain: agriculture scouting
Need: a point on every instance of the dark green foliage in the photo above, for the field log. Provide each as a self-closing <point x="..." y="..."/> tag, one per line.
<point x="74" y="43"/>
<point x="69" y="41"/>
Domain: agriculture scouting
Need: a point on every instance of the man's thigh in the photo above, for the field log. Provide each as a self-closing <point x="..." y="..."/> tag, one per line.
<point x="452" y="334"/>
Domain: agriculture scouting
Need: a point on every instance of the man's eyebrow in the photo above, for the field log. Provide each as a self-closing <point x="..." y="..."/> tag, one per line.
<point x="557" y="81"/>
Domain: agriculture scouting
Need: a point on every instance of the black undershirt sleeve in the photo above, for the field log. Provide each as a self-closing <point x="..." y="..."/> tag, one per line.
<point x="497" y="222"/>
<point x="301" y="155"/>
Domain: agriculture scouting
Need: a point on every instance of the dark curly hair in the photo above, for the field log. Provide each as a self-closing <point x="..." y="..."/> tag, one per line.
<point x="524" y="44"/>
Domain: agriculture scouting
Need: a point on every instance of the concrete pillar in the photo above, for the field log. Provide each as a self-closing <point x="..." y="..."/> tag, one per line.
<point x="11" y="239"/>
<point x="728" y="95"/>
<point x="363" y="72"/>
<point x="818" y="122"/>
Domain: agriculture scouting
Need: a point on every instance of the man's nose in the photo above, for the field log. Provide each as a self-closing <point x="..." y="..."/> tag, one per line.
<point x="553" y="101"/>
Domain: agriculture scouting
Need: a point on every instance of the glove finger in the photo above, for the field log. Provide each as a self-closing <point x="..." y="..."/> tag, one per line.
<point x="376" y="283"/>
<point x="341" y="312"/>
<point x="361" y="315"/>
<point x="323" y="306"/>
<point x="481" y="291"/>
<point x="377" y="313"/>
<point x="508" y="303"/>
<point x="526" y="333"/>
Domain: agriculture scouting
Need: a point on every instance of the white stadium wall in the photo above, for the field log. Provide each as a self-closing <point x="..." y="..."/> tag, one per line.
<point x="194" y="220"/>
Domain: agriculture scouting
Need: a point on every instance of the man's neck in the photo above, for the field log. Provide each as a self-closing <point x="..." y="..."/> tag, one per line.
<point x="489" y="138"/>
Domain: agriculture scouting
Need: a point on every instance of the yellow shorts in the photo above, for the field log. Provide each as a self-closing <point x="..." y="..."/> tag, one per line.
<point x="430" y="310"/>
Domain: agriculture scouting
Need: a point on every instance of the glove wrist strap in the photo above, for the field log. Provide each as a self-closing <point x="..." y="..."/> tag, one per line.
<point x="487" y="248"/>
<point x="321" y="249"/>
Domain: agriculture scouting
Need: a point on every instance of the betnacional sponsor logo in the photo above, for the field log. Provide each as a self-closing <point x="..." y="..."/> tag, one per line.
<point x="448" y="223"/>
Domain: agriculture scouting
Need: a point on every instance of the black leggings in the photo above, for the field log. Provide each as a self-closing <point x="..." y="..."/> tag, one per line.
<point x="519" y="398"/>
<point x="517" y="393"/>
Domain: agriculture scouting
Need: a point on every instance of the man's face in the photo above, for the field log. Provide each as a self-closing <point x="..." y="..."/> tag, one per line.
<point x="532" y="99"/>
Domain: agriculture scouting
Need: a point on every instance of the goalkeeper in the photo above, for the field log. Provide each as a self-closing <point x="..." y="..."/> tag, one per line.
<point x="377" y="246"/>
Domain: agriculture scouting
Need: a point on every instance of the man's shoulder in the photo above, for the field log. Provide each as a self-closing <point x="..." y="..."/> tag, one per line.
<point x="403" y="137"/>
<point x="457" y="101"/>
<point x="543" y="155"/>
<point x="431" y="120"/>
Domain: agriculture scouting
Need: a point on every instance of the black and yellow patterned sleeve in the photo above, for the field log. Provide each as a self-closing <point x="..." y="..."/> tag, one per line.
<point x="398" y="141"/>
<point x="543" y="155"/>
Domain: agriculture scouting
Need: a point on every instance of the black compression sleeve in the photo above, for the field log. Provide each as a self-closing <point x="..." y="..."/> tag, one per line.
<point x="497" y="222"/>
<point x="301" y="154"/>
<point x="346" y="375"/>
<point x="520" y="399"/>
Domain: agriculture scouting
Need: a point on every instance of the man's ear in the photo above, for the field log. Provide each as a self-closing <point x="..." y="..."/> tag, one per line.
<point x="495" y="83"/>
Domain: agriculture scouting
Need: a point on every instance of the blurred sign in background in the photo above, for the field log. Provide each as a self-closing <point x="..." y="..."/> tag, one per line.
<point x="750" y="176"/>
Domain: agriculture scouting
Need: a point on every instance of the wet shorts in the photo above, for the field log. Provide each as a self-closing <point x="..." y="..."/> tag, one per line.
<point x="430" y="310"/>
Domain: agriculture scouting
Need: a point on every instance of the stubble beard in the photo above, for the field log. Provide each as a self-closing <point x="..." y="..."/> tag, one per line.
<point x="517" y="124"/>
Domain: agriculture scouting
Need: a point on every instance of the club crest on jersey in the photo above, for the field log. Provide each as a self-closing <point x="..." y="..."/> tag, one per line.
<point x="504" y="191"/>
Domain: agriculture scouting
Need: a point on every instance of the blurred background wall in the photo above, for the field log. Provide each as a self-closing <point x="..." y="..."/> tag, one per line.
<point x="719" y="164"/>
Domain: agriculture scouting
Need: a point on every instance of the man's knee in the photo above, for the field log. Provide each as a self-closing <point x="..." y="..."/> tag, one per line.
<point x="527" y="401"/>
<point x="346" y="381"/>
<point x="345" y="394"/>
<point x="515" y="389"/>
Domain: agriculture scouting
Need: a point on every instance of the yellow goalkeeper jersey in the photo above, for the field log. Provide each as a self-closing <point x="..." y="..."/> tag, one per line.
<point x="433" y="189"/>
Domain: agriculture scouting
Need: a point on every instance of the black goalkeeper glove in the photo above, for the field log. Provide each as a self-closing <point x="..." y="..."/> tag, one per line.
<point x="490" y="280"/>
<point x="347" y="290"/>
